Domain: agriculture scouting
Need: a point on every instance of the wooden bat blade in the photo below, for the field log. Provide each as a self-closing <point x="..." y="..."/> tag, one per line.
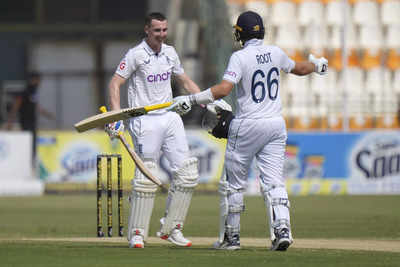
<point x="100" y="120"/>
<point x="138" y="161"/>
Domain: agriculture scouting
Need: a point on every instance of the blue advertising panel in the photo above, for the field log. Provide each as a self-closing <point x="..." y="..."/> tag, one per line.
<point x="369" y="162"/>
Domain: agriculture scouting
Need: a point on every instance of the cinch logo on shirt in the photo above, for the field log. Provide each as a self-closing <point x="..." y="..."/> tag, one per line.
<point x="231" y="73"/>
<point x="152" y="78"/>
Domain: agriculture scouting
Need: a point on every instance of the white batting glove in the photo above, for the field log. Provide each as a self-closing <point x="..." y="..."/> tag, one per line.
<point x="114" y="129"/>
<point x="218" y="105"/>
<point x="321" y="64"/>
<point x="182" y="104"/>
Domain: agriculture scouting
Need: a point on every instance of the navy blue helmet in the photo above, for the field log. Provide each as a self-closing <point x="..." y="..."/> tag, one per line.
<point x="249" y="25"/>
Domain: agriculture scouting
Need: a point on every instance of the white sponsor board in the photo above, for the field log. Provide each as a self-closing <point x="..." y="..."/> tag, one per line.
<point x="16" y="176"/>
<point x="375" y="164"/>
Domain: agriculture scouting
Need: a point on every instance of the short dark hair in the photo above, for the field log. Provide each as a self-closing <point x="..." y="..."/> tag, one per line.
<point x="154" y="15"/>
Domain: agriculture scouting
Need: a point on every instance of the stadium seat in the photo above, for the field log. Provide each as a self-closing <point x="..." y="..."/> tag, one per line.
<point x="288" y="37"/>
<point x="360" y="121"/>
<point x="335" y="37"/>
<point x="335" y="121"/>
<point x="259" y="6"/>
<point x="390" y="12"/>
<point x="316" y="37"/>
<point x="299" y="88"/>
<point x="351" y="81"/>
<point x="374" y="88"/>
<point x="298" y="92"/>
<point x="371" y="37"/>
<point x="235" y="7"/>
<point x="354" y="90"/>
<point x="334" y="12"/>
<point x="283" y="12"/>
<point x="392" y="37"/>
<point x="335" y="60"/>
<point x="373" y="95"/>
<point x="393" y="59"/>
<point x="371" y="59"/>
<point x="310" y="12"/>
<point x="324" y="92"/>
<point x="388" y="121"/>
<point x="388" y="117"/>
<point x="366" y="12"/>
<point x="396" y="81"/>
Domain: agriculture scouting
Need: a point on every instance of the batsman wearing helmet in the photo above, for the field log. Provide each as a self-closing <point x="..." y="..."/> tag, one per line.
<point x="257" y="129"/>
<point x="148" y="67"/>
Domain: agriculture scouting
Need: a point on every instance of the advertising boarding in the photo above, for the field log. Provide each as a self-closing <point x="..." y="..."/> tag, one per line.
<point x="316" y="163"/>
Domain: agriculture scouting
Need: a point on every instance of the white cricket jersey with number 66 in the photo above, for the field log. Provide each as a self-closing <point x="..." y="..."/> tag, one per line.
<point x="256" y="70"/>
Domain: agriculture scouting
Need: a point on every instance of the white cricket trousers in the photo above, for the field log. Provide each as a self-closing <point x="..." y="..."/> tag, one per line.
<point x="264" y="139"/>
<point x="160" y="132"/>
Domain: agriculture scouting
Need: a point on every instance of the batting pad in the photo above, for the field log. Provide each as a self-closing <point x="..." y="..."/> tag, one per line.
<point x="223" y="207"/>
<point x="141" y="208"/>
<point x="277" y="204"/>
<point x="142" y="202"/>
<point x="185" y="180"/>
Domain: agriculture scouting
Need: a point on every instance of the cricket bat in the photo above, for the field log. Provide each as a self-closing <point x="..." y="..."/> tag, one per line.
<point x="100" y="120"/>
<point x="138" y="161"/>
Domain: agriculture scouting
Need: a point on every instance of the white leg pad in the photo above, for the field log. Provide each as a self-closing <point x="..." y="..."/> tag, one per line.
<point x="142" y="202"/>
<point x="277" y="204"/>
<point x="181" y="190"/>
<point x="235" y="208"/>
<point x="223" y="207"/>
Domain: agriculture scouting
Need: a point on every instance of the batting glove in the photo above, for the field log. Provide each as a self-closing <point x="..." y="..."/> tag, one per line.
<point x="321" y="64"/>
<point x="218" y="105"/>
<point x="182" y="104"/>
<point x="114" y="129"/>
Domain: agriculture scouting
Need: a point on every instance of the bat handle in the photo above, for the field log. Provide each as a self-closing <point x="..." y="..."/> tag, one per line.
<point x="103" y="109"/>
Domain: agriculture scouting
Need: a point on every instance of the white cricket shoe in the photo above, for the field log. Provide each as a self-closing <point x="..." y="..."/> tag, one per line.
<point x="136" y="242"/>
<point x="176" y="237"/>
<point x="226" y="244"/>
<point x="282" y="240"/>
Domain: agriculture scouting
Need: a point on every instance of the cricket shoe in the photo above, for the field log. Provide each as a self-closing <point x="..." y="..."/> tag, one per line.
<point x="282" y="240"/>
<point x="176" y="237"/>
<point x="136" y="242"/>
<point x="228" y="244"/>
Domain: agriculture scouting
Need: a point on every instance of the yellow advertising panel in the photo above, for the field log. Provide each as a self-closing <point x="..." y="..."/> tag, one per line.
<point x="67" y="157"/>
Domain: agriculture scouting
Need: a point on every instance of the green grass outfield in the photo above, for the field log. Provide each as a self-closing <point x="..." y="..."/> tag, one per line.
<point x="59" y="230"/>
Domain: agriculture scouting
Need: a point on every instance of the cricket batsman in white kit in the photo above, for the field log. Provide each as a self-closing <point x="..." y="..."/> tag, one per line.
<point x="149" y="67"/>
<point x="257" y="130"/>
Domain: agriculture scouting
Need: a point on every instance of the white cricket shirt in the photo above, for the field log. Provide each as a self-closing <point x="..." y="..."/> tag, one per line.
<point x="149" y="74"/>
<point x="256" y="69"/>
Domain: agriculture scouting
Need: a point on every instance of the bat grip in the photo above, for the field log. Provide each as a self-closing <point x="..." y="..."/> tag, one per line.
<point x="103" y="109"/>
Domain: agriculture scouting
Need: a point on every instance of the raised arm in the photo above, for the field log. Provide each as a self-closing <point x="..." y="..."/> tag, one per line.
<point x="318" y="65"/>
<point x="303" y="68"/>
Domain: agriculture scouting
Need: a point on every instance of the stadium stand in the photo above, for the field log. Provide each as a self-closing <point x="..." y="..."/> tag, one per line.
<point x="368" y="90"/>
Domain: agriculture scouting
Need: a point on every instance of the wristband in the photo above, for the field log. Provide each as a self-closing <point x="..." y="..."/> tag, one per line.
<point x="205" y="97"/>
